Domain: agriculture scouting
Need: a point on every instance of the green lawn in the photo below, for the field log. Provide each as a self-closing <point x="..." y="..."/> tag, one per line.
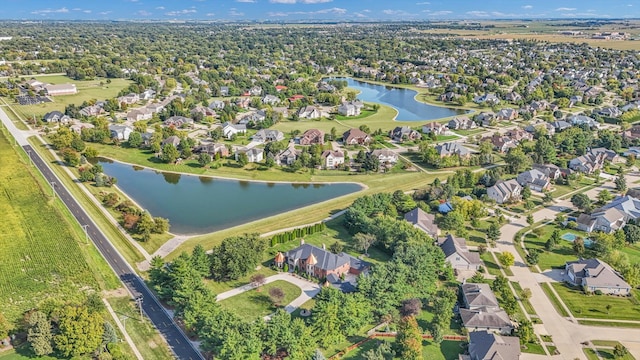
<point x="546" y="287"/>
<point x="557" y="257"/>
<point x="490" y="264"/>
<point x="534" y="349"/>
<point x="526" y="303"/>
<point x="147" y="339"/>
<point x="254" y="304"/>
<point x="594" y="306"/>
<point x="87" y="90"/>
<point x="363" y="114"/>
<point x="220" y="287"/>
<point x="44" y="253"/>
<point x="608" y="354"/>
<point x="447" y="350"/>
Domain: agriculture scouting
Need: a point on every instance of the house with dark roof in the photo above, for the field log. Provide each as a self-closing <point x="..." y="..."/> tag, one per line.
<point x="484" y="345"/>
<point x="587" y="163"/>
<point x="505" y="191"/>
<point x="534" y="179"/>
<point x="452" y="148"/>
<point x="402" y="133"/>
<point x="288" y="156"/>
<point x="312" y="136"/>
<point x="332" y="159"/>
<point x="56" y="116"/>
<point x="423" y="221"/>
<point x="355" y="136"/>
<point x="481" y="311"/>
<point x="458" y="255"/>
<point x="594" y="274"/>
<point x="323" y="264"/>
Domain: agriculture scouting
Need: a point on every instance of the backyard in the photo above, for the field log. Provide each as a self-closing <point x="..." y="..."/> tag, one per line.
<point x="562" y="252"/>
<point x="256" y="303"/>
<point x="447" y="350"/>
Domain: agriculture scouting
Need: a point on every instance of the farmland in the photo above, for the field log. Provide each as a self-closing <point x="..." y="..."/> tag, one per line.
<point x="43" y="251"/>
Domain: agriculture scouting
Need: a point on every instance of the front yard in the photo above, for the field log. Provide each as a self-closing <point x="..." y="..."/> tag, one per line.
<point x="256" y="303"/>
<point x="582" y="305"/>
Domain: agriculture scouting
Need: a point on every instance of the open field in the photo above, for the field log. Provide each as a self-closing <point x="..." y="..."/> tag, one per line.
<point x="43" y="249"/>
<point x="147" y="339"/>
<point x="254" y="304"/>
<point x="87" y="90"/>
<point x="594" y="306"/>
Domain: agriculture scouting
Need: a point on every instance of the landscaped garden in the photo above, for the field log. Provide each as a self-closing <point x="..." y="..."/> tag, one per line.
<point x="260" y="302"/>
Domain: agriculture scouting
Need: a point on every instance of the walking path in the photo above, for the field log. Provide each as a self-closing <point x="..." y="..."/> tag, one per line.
<point x="309" y="290"/>
<point x="123" y="330"/>
<point x="567" y="335"/>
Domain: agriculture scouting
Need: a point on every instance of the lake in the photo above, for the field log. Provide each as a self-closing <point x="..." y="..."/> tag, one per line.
<point x="198" y="205"/>
<point x="403" y="100"/>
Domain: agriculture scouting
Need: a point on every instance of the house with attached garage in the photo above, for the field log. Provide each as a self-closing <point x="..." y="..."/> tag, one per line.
<point x="288" y="156"/>
<point x="350" y="108"/>
<point x="452" y="148"/>
<point x="267" y="135"/>
<point x="423" y="221"/>
<point x="402" y="133"/>
<point x="480" y="310"/>
<point x="120" y="132"/>
<point x="355" y="137"/>
<point x="385" y="156"/>
<point x="270" y="99"/>
<point x="605" y="220"/>
<point x="435" y="127"/>
<point x="505" y="191"/>
<point x="332" y="159"/>
<point x="552" y="171"/>
<point x="596" y="275"/>
<point x="139" y="114"/>
<point x="535" y="179"/>
<point x="507" y="114"/>
<point x="485" y="345"/>
<point x="56" y="116"/>
<point x="254" y="155"/>
<point x="229" y="129"/>
<point x="587" y="163"/>
<point x="312" y="136"/>
<point x="309" y="112"/>
<point x="461" y="123"/>
<point x="458" y="255"/>
<point x="213" y="149"/>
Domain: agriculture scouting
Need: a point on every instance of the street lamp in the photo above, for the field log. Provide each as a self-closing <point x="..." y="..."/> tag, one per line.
<point x="53" y="187"/>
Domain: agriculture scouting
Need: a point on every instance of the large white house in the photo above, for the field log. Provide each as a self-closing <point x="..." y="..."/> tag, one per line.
<point x="505" y="191"/>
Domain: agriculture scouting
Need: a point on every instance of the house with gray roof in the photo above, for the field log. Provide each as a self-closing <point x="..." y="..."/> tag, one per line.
<point x="229" y="129"/>
<point x="385" y="156"/>
<point x="266" y="135"/>
<point x="120" y="132"/>
<point x="350" y="108"/>
<point x="587" y="163"/>
<point x="552" y="171"/>
<point x="461" y="123"/>
<point x="56" y="116"/>
<point x="605" y="220"/>
<point x="505" y="191"/>
<point x="435" y="128"/>
<point x="270" y="99"/>
<point x="595" y="274"/>
<point x="254" y="154"/>
<point x="485" y="345"/>
<point x="458" y="255"/>
<point x="481" y="311"/>
<point x="577" y="120"/>
<point x="288" y="156"/>
<point x="423" y="221"/>
<point x="402" y="133"/>
<point x="535" y="179"/>
<point x="452" y="148"/>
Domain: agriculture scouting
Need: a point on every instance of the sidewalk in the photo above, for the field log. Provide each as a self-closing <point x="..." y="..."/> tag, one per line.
<point x="123" y="330"/>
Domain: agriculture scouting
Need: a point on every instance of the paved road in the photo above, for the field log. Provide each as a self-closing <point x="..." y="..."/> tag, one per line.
<point x="178" y="342"/>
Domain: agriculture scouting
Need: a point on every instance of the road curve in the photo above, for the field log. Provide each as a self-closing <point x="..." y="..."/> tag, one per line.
<point x="177" y="340"/>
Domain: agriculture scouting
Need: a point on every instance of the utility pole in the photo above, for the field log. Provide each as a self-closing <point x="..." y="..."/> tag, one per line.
<point x="30" y="160"/>
<point x="86" y="233"/>
<point x="53" y="187"/>
<point x="139" y="303"/>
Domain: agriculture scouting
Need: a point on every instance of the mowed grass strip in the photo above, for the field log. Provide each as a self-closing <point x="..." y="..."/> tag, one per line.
<point x="595" y="306"/>
<point x="256" y="303"/>
<point x="41" y="256"/>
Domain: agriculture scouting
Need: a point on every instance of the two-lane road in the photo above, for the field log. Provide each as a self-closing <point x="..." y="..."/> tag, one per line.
<point x="177" y="340"/>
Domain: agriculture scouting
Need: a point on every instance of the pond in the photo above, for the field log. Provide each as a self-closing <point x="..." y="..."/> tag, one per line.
<point x="198" y="205"/>
<point x="403" y="100"/>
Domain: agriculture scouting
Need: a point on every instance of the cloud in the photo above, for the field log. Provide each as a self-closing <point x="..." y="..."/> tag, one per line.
<point x="143" y="13"/>
<point x="235" y="12"/>
<point x="160" y="8"/>
<point x="565" y="9"/>
<point x="423" y="3"/>
<point x="86" y="11"/>
<point x="528" y="7"/>
<point x="50" y="11"/>
<point x="334" y="11"/>
<point x="477" y="13"/>
<point x="299" y="1"/>
<point x="181" y="12"/>
<point x="211" y="14"/>
<point x="246" y="1"/>
<point x="396" y="12"/>
<point x="438" y="13"/>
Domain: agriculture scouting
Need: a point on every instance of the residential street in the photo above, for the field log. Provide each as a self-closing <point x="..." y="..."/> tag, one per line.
<point x="567" y="335"/>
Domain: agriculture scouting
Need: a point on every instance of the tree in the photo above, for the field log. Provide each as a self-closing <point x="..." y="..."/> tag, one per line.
<point x="525" y="332"/>
<point x="581" y="201"/>
<point x="411" y="307"/>
<point x="135" y="140"/>
<point x="452" y="220"/>
<point x="243" y="159"/>
<point x="336" y="247"/>
<point x="277" y="295"/>
<point x="204" y="159"/>
<point x="621" y="183"/>
<point x="90" y="152"/>
<point x="632" y="233"/>
<point x="517" y="161"/>
<point x="371" y="163"/>
<point x="317" y="355"/>
<point x="39" y="333"/>
<point x="109" y="335"/>
<point x="578" y="246"/>
<point x="530" y="220"/>
<point x="526" y="193"/>
<point x="80" y="332"/>
<point x="364" y="241"/>
<point x="547" y="198"/>
<point x="5" y="327"/>
<point x="604" y="196"/>
<point x="170" y="153"/>
<point x="145" y="225"/>
<point x="257" y="280"/>
<point x="533" y="257"/>
<point x="493" y="232"/>
<point x="619" y="351"/>
<point x="553" y="241"/>
<point x="443" y="304"/>
<point x="381" y="352"/>
<point x="409" y="339"/>
<point x="506" y="258"/>
<point x="200" y="260"/>
<point x="236" y="256"/>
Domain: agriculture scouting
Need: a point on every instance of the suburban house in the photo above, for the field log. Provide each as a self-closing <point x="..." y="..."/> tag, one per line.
<point x="312" y="136"/>
<point x="217" y="105"/>
<point x="355" y="137"/>
<point x="577" y="120"/>
<point x="594" y="274"/>
<point x="266" y="135"/>
<point x="253" y="117"/>
<point x="350" y="108"/>
<point x="519" y="135"/>
<point x="609" y="155"/>
<point x="229" y="129"/>
<point x="323" y="264"/>
<point x="485" y="118"/>
<point x="452" y="148"/>
<point x="480" y="310"/>
<point x="385" y="156"/>
<point x="402" y="133"/>
<point x="484" y="345"/>
<point x="155" y="107"/>
<point x="435" y="128"/>
<point x="173" y="140"/>
<point x="606" y="220"/>
<point x="552" y="171"/>
<point x="129" y="99"/>
<point x="461" y="123"/>
<point x="203" y="110"/>
<point x="505" y="191"/>
<point x="535" y="179"/>
<point x="423" y="221"/>
<point x="633" y="133"/>
<point x="77" y="127"/>
<point x="270" y="99"/>
<point x="139" y="114"/>
<point x="93" y="110"/>
<point x="507" y="114"/>
<point x="213" y="149"/>
<point x="56" y="116"/>
<point x="309" y="112"/>
<point x="178" y="121"/>
<point x="628" y="205"/>
<point x="448" y="96"/>
<point x="62" y="89"/>
<point x="491" y="99"/>
<point x="120" y="132"/>
<point x="148" y="94"/>
<point x="513" y="97"/>
<point x="587" y="163"/>
<point x="332" y="159"/>
<point x="243" y="102"/>
<point x="560" y="125"/>
<point x="458" y="255"/>
<point x="253" y="154"/>
<point x="502" y="143"/>
<point x="288" y="156"/>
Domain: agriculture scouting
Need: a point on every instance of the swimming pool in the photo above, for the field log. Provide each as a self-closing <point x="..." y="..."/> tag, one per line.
<point x="572" y="237"/>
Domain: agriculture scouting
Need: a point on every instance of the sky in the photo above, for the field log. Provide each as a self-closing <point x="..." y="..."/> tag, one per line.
<point x="294" y="10"/>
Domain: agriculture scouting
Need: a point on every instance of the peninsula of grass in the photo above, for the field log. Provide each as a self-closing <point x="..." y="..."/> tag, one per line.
<point x="546" y="287"/>
<point x="44" y="254"/>
<point x="256" y="303"/>
<point x="595" y="306"/>
<point x="363" y="114"/>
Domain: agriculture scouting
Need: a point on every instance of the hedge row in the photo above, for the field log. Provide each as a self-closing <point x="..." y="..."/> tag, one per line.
<point x="297" y="233"/>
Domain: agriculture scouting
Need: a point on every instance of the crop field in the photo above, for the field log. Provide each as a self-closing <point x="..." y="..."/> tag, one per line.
<point x="41" y="253"/>
<point x="87" y="90"/>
